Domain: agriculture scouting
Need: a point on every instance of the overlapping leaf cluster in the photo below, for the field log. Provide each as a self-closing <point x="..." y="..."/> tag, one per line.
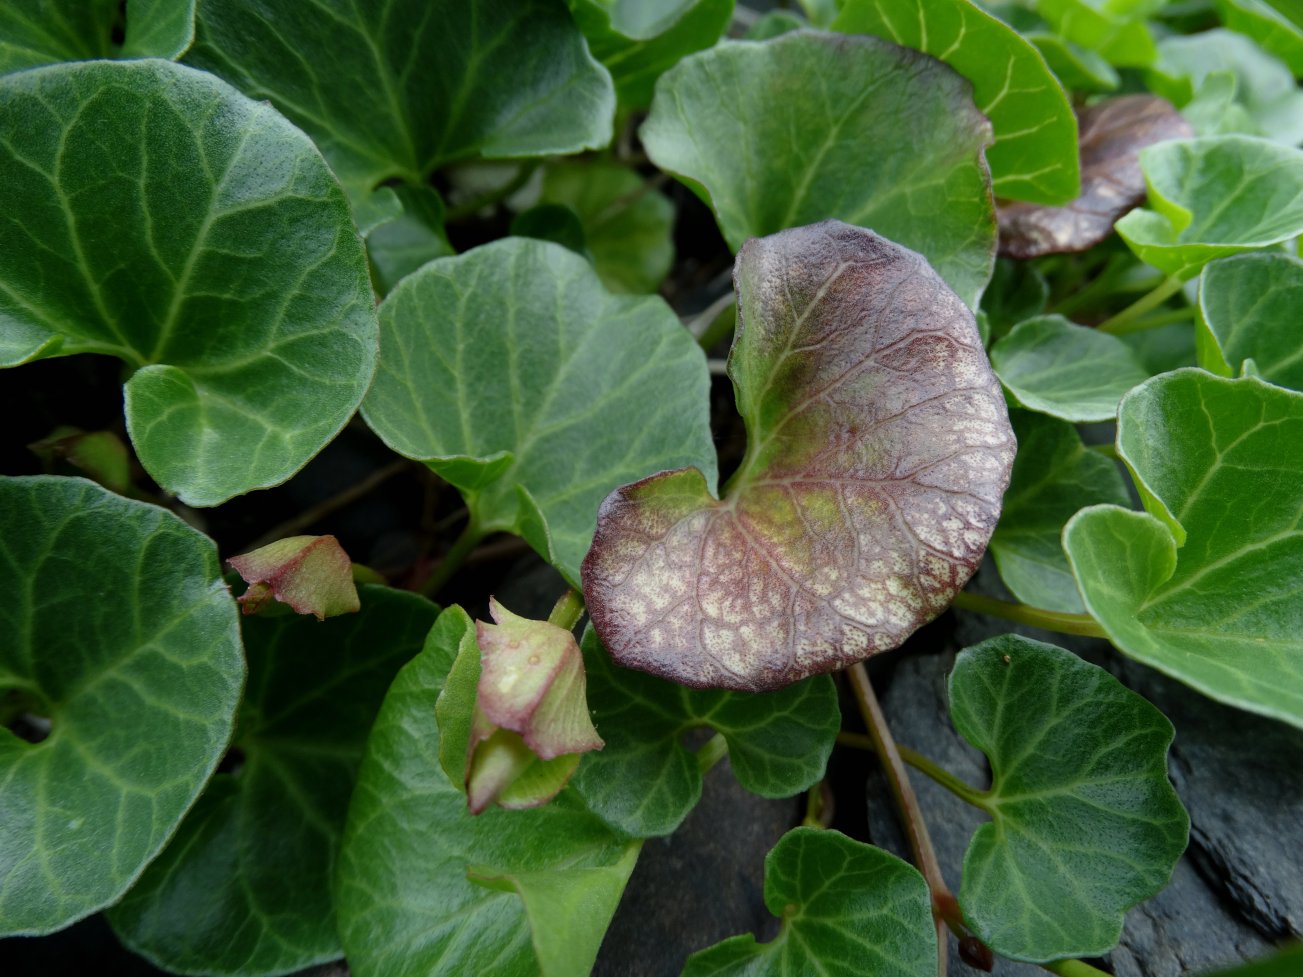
<point x="256" y="209"/>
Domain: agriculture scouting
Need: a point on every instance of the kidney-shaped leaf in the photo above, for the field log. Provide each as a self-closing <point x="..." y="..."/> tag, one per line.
<point x="1054" y="475"/>
<point x="37" y="32"/>
<point x="848" y="909"/>
<point x="1214" y="197"/>
<point x="878" y="449"/>
<point x="638" y="40"/>
<point x="423" y="887"/>
<point x="1112" y="134"/>
<point x="1208" y="586"/>
<point x="874" y="134"/>
<point x="1270" y="27"/>
<point x="1084" y="821"/>
<point x="396" y="88"/>
<point x="513" y="373"/>
<point x="645" y="781"/>
<point x="155" y="214"/>
<point x="1249" y="317"/>
<point x="118" y="629"/>
<point x="1059" y="368"/>
<point x="1035" y="152"/>
<point x="244" y="888"/>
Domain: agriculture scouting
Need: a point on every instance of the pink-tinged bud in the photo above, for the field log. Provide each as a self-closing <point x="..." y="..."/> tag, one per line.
<point x="531" y="717"/>
<point x="312" y="574"/>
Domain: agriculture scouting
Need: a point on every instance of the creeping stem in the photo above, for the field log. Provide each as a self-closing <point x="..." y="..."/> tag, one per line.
<point x="1035" y="617"/>
<point x="945" y="907"/>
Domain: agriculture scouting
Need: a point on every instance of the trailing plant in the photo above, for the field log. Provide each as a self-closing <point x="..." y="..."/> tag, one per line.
<point x="451" y="220"/>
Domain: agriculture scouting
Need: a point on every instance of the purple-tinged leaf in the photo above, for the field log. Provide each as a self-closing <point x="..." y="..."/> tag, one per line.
<point x="1112" y="134"/>
<point x="312" y="574"/>
<point x="879" y="447"/>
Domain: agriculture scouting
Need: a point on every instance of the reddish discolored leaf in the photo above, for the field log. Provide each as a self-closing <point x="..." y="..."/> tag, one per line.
<point x="312" y="574"/>
<point x="879" y="449"/>
<point x="1112" y="133"/>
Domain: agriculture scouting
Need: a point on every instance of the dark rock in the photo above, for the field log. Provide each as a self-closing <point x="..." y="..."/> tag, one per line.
<point x="700" y="885"/>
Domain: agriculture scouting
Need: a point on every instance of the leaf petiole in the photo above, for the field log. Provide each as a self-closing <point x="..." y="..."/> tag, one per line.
<point x="568" y="610"/>
<point x="1126" y="321"/>
<point x="711" y="752"/>
<point x="1035" y="617"/>
<point x="926" y="766"/>
<point x="453" y="559"/>
<point x="1073" y="968"/>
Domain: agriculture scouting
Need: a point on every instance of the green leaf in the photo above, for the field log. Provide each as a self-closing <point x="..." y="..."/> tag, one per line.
<point x="1084" y="823"/>
<point x="553" y="222"/>
<point x="1035" y="153"/>
<point x="627" y="226"/>
<point x="1271" y="28"/>
<point x="1068" y="371"/>
<point x="1248" y="317"/>
<point x="878" y="448"/>
<point x="847" y="909"/>
<point x="775" y="23"/>
<point x="1054" y="475"/>
<point x="511" y="367"/>
<point x="413" y="236"/>
<point x="394" y="89"/>
<point x="1018" y="291"/>
<point x="128" y="642"/>
<point x="244" y="887"/>
<point x="38" y="32"/>
<point x="159" y="28"/>
<point x="1206" y="586"/>
<point x="638" y="40"/>
<point x="423" y="887"/>
<point x="157" y="215"/>
<point x="1114" y="28"/>
<point x="645" y="781"/>
<point x="1077" y="68"/>
<point x="1272" y="103"/>
<point x="1113" y="132"/>
<point x="1214" y="197"/>
<point x="769" y="155"/>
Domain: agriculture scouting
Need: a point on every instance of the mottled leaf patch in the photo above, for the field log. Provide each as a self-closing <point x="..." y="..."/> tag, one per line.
<point x="879" y="447"/>
<point x="1112" y="134"/>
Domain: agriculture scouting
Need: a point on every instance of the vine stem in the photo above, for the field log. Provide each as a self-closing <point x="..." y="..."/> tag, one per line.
<point x="945" y="907"/>
<point x="1035" y="617"/>
<point x="1074" y="968"/>
<point x="700" y="325"/>
<point x="568" y="610"/>
<point x="1125" y="321"/>
<point x="924" y="765"/>
<point x="453" y="559"/>
<point x="324" y="508"/>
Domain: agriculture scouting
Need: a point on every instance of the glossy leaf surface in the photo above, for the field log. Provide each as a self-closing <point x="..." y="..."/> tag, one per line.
<point x="1205" y="586"/>
<point x="1112" y="134"/>
<point x="396" y="88"/>
<point x="1084" y="821"/>
<point x="1249" y="310"/>
<point x="847" y="909"/>
<point x="157" y="215"/>
<point x="1068" y="371"/>
<point x="424" y="888"/>
<point x="132" y="652"/>
<point x="1035" y="152"/>
<point x="1054" y="475"/>
<point x="638" y="40"/>
<point x="513" y="373"/>
<point x="878" y="449"/>
<point x="768" y="155"/>
<point x="244" y="887"/>
<point x="645" y="781"/>
<point x="1214" y="197"/>
<point x="38" y="32"/>
<point x="1268" y="26"/>
<point x="1114" y="28"/>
